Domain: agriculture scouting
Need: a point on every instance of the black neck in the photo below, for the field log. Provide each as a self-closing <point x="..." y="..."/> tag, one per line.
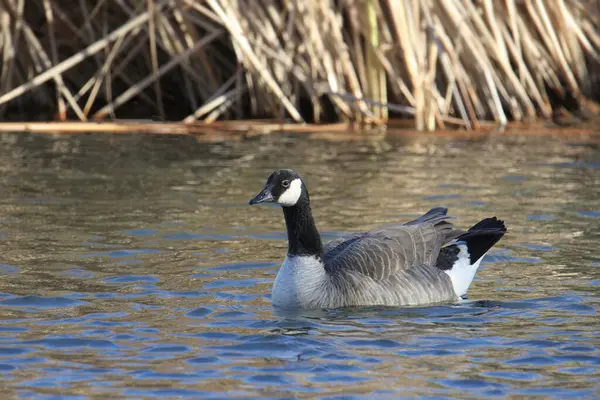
<point x="303" y="237"/>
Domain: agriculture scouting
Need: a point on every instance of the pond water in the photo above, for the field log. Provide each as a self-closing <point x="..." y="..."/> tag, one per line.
<point x="132" y="266"/>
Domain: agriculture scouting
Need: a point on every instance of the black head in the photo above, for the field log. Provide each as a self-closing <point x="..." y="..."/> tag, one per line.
<point x="284" y="187"/>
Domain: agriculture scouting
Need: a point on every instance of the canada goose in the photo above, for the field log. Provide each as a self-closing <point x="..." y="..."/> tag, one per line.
<point x="420" y="262"/>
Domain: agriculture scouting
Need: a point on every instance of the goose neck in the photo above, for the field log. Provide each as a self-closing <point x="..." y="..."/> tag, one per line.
<point x="303" y="236"/>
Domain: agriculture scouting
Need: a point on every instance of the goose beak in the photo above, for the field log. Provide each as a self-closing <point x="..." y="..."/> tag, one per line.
<point x="264" y="196"/>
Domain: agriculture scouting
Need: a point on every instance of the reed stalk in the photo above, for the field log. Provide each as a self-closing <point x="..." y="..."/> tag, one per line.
<point x="451" y="62"/>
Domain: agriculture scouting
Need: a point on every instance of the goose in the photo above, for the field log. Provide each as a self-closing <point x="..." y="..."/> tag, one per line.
<point x="424" y="261"/>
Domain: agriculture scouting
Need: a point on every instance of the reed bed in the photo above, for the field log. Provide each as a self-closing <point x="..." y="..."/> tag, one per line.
<point x="450" y="62"/>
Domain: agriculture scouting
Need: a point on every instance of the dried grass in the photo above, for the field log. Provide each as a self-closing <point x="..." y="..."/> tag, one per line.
<point x="455" y="62"/>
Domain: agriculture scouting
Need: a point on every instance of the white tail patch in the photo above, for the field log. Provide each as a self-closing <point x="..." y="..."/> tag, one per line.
<point x="292" y="194"/>
<point x="463" y="272"/>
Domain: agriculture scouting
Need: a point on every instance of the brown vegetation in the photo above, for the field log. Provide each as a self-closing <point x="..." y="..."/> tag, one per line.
<point x="451" y="62"/>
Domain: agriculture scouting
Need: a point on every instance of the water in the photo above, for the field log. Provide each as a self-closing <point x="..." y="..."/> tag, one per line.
<point x="132" y="266"/>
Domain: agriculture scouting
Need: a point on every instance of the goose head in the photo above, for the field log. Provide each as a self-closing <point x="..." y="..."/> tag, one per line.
<point x="284" y="187"/>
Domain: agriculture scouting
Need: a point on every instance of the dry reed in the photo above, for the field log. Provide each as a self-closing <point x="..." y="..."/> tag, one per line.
<point x="451" y="62"/>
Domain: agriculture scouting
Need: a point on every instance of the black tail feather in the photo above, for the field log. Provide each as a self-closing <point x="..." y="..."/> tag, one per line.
<point x="482" y="236"/>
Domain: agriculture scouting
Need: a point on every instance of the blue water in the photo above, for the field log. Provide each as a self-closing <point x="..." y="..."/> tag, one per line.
<point x="132" y="267"/>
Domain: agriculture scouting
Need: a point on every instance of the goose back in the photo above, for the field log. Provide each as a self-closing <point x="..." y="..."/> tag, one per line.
<point x="383" y="253"/>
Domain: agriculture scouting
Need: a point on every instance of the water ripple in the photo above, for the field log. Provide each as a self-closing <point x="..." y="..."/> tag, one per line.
<point x="41" y="302"/>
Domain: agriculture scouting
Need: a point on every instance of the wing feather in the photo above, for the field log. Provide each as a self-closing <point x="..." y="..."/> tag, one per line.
<point x="382" y="253"/>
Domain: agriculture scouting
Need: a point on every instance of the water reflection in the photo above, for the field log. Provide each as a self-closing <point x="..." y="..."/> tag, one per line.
<point x="132" y="266"/>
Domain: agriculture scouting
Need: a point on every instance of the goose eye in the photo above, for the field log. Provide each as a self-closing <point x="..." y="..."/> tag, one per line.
<point x="285" y="183"/>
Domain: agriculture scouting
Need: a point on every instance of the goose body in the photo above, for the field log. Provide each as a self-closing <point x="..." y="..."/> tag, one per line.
<point x="424" y="261"/>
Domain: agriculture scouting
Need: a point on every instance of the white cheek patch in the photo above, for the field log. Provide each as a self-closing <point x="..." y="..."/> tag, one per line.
<point x="292" y="194"/>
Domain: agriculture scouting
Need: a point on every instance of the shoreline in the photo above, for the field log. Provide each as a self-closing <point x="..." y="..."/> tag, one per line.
<point x="234" y="129"/>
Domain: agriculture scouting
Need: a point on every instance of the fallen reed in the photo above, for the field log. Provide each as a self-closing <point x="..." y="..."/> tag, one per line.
<point x="451" y="62"/>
